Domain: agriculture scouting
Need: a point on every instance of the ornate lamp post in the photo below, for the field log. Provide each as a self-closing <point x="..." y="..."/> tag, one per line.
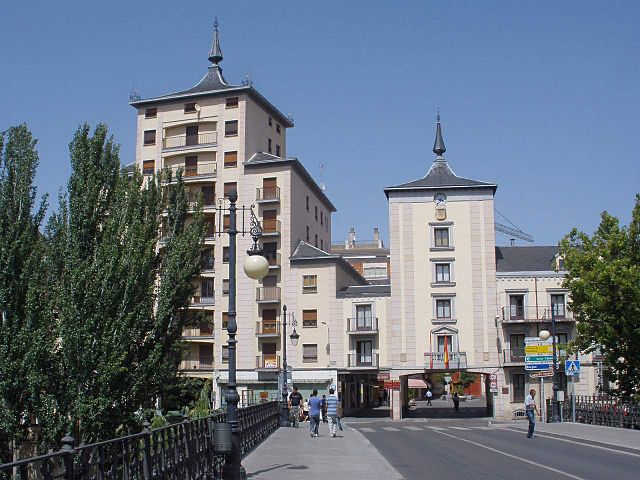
<point x="294" y="341"/>
<point x="544" y="335"/>
<point x="256" y="267"/>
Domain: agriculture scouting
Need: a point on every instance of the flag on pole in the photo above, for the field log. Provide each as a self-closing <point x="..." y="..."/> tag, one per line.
<point x="446" y="353"/>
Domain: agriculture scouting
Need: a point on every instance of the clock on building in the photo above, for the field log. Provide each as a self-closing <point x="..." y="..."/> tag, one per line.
<point x="440" y="199"/>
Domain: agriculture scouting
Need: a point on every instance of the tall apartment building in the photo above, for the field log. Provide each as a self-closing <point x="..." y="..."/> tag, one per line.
<point x="442" y="298"/>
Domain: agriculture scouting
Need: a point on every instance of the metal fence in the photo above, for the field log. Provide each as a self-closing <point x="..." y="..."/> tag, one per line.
<point x="183" y="450"/>
<point x="621" y="412"/>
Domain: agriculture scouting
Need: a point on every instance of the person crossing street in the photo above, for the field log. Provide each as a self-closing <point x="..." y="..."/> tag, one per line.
<point x="531" y="409"/>
<point x="314" y="413"/>
<point x="332" y="412"/>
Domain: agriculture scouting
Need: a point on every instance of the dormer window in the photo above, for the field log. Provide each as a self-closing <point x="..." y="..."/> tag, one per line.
<point x="231" y="102"/>
<point x="190" y="107"/>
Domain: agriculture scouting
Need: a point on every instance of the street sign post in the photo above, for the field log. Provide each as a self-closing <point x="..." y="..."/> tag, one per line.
<point x="538" y="354"/>
<point x="541" y="374"/>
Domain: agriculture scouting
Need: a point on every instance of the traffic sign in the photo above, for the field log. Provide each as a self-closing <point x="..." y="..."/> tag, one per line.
<point x="493" y="377"/>
<point x="538" y="349"/>
<point x="572" y="367"/>
<point x="538" y="358"/>
<point x="542" y="373"/>
<point x="537" y="366"/>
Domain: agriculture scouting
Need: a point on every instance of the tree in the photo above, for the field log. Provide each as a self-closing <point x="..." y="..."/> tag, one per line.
<point x="23" y="341"/>
<point x="603" y="277"/>
<point x="116" y="295"/>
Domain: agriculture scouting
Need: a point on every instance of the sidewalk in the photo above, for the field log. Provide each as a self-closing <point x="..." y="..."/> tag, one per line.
<point x="619" y="437"/>
<point x="291" y="453"/>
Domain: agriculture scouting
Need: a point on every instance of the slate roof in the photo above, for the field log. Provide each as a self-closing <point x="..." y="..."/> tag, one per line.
<point x="365" y="291"/>
<point x="440" y="176"/>
<point x="305" y="251"/>
<point x="525" y="259"/>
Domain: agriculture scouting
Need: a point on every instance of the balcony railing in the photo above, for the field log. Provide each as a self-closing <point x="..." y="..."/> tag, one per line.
<point x="267" y="294"/>
<point x="179" y="141"/>
<point x="208" y="169"/>
<point x="197" y="363"/>
<point x="199" y="300"/>
<point x="267" y="362"/>
<point x="274" y="260"/>
<point x="204" y="330"/>
<point x="270" y="227"/>
<point x="268" y="194"/>
<point x="436" y="360"/>
<point x="510" y="356"/>
<point x="268" y="328"/>
<point x="362" y="325"/>
<point x="207" y="200"/>
<point x="361" y="360"/>
<point x="536" y="314"/>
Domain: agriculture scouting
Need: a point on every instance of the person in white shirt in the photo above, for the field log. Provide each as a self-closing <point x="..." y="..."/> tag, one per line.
<point x="428" y="395"/>
<point x="531" y="409"/>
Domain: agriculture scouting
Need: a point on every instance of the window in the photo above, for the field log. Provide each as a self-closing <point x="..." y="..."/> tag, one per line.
<point x="560" y="263"/>
<point x="151" y="112"/>
<point x="191" y="166"/>
<point x="148" y="167"/>
<point x="207" y="288"/>
<point x="443" y="340"/>
<point x="229" y="187"/>
<point x="210" y="224"/>
<point x="516" y="307"/>
<point x="205" y="356"/>
<point x="231" y="128"/>
<point x="516" y="346"/>
<point x="225" y="320"/>
<point x="208" y="194"/>
<point x="232" y="102"/>
<point x="190" y="107"/>
<point x="364" y="353"/>
<point x="443" y="272"/>
<point x="309" y="353"/>
<point x="225" y="354"/>
<point x="363" y="317"/>
<point x="307" y="234"/>
<point x="309" y="318"/>
<point x="277" y="150"/>
<point x="149" y="137"/>
<point x="269" y="149"/>
<point x="374" y="271"/>
<point x="230" y="159"/>
<point x="225" y="286"/>
<point x="321" y="218"/>
<point x="309" y="283"/>
<point x="192" y="137"/>
<point x="443" y="308"/>
<point x="225" y="254"/>
<point x="270" y="122"/>
<point x="278" y="127"/>
<point x="558" y="305"/>
<point x="563" y="339"/>
<point x="226" y="222"/>
<point x="441" y="237"/>
<point x="321" y="244"/>
<point x="316" y="209"/>
<point x="307" y="203"/>
<point x="518" y="387"/>
<point x="316" y="242"/>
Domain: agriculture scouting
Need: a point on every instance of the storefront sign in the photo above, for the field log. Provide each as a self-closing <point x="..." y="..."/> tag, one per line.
<point x="383" y="376"/>
<point x="392" y="384"/>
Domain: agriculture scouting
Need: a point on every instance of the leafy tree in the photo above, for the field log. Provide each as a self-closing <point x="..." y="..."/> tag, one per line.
<point x="202" y="407"/>
<point x="604" y="280"/>
<point x="115" y="294"/>
<point x="23" y="340"/>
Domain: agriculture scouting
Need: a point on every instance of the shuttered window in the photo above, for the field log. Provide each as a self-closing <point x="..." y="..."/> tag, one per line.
<point x="309" y="318"/>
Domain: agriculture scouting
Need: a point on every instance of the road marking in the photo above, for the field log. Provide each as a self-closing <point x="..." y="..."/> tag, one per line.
<point x="460" y="428"/>
<point x="391" y="429"/>
<point x="367" y="429"/>
<point x="524" y="460"/>
<point x="483" y="428"/>
<point x="414" y="429"/>
<point x="577" y="443"/>
<point x="437" y="429"/>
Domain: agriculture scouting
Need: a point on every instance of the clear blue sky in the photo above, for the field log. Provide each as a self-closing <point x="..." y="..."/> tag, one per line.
<point x="542" y="97"/>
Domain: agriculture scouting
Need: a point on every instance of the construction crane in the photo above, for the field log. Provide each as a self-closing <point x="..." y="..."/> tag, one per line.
<point x="513" y="232"/>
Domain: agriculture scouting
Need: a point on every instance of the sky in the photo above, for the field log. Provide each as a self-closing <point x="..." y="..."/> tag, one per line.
<point x="540" y="97"/>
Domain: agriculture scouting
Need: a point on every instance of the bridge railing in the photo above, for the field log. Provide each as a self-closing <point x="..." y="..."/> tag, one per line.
<point x="183" y="450"/>
<point x="622" y="412"/>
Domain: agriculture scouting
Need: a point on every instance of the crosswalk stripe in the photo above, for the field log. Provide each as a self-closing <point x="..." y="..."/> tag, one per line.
<point x="367" y="429"/>
<point x="437" y="429"/>
<point x="412" y="428"/>
<point x="460" y="428"/>
<point x="391" y="429"/>
<point x="483" y="428"/>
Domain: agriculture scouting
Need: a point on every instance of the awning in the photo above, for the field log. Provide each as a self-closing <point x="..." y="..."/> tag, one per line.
<point x="417" y="383"/>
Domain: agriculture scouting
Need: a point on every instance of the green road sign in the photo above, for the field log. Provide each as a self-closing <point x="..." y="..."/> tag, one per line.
<point x="539" y="358"/>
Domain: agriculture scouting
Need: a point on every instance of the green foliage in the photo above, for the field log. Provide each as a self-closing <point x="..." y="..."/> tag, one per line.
<point x="604" y="281"/>
<point x="465" y="379"/>
<point x="183" y="392"/>
<point x="202" y="407"/>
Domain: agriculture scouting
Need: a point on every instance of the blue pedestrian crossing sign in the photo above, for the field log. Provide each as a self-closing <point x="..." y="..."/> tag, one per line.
<point x="572" y="367"/>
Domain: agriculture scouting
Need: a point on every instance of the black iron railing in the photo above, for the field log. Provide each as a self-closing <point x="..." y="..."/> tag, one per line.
<point x="621" y="412"/>
<point x="184" y="450"/>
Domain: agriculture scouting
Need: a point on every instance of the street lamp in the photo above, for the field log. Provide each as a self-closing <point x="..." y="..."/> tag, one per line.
<point x="227" y="435"/>
<point x="294" y="341"/>
<point x="544" y="335"/>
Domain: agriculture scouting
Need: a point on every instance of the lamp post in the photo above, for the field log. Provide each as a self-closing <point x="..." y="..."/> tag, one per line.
<point x="294" y="341"/>
<point x="256" y="267"/>
<point x="544" y="335"/>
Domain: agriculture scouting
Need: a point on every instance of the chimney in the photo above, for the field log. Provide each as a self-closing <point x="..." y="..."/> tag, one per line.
<point x="351" y="242"/>
<point x="376" y="237"/>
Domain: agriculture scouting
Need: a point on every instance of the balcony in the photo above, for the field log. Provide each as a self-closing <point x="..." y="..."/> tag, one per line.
<point x="534" y="314"/>
<point x="271" y="228"/>
<point x="268" y="328"/>
<point x="267" y="363"/>
<point x="204" y="331"/>
<point x="197" y="363"/>
<point x="198" y="300"/>
<point x="510" y="357"/>
<point x="194" y="172"/>
<point x="208" y="264"/>
<point x="268" y="294"/>
<point x="362" y="326"/>
<point x="435" y="361"/>
<point x="179" y="142"/>
<point x="363" y="361"/>
<point x="274" y="260"/>
<point x="268" y="195"/>
<point x="208" y="201"/>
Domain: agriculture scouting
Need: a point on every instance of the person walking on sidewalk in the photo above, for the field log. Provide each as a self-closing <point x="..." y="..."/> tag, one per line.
<point x="456" y="401"/>
<point x="323" y="409"/>
<point x="531" y="409"/>
<point x="428" y="395"/>
<point x="295" y="400"/>
<point x="314" y="413"/>
<point x="332" y="412"/>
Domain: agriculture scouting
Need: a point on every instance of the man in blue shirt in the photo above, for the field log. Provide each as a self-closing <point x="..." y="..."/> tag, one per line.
<point x="314" y="413"/>
<point x="332" y="412"/>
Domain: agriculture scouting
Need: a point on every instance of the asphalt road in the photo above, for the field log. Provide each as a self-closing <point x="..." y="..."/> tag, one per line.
<point x="469" y="448"/>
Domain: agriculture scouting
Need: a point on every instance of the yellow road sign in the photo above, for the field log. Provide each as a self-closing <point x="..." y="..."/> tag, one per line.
<point x="538" y="349"/>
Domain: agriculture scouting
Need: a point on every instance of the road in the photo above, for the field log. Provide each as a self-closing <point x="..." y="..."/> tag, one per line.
<point x="470" y="448"/>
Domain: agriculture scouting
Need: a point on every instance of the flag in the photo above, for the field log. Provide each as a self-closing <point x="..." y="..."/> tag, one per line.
<point x="446" y="354"/>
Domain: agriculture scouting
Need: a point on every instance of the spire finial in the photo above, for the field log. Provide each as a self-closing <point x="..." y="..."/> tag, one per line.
<point x="438" y="145"/>
<point x="215" y="54"/>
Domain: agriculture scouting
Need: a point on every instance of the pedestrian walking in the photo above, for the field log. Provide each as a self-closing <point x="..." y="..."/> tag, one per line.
<point x="456" y="401"/>
<point x="333" y="412"/>
<point x="323" y="409"/>
<point x="295" y="401"/>
<point x="314" y="413"/>
<point x="428" y="395"/>
<point x="531" y="409"/>
<point x="305" y="410"/>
